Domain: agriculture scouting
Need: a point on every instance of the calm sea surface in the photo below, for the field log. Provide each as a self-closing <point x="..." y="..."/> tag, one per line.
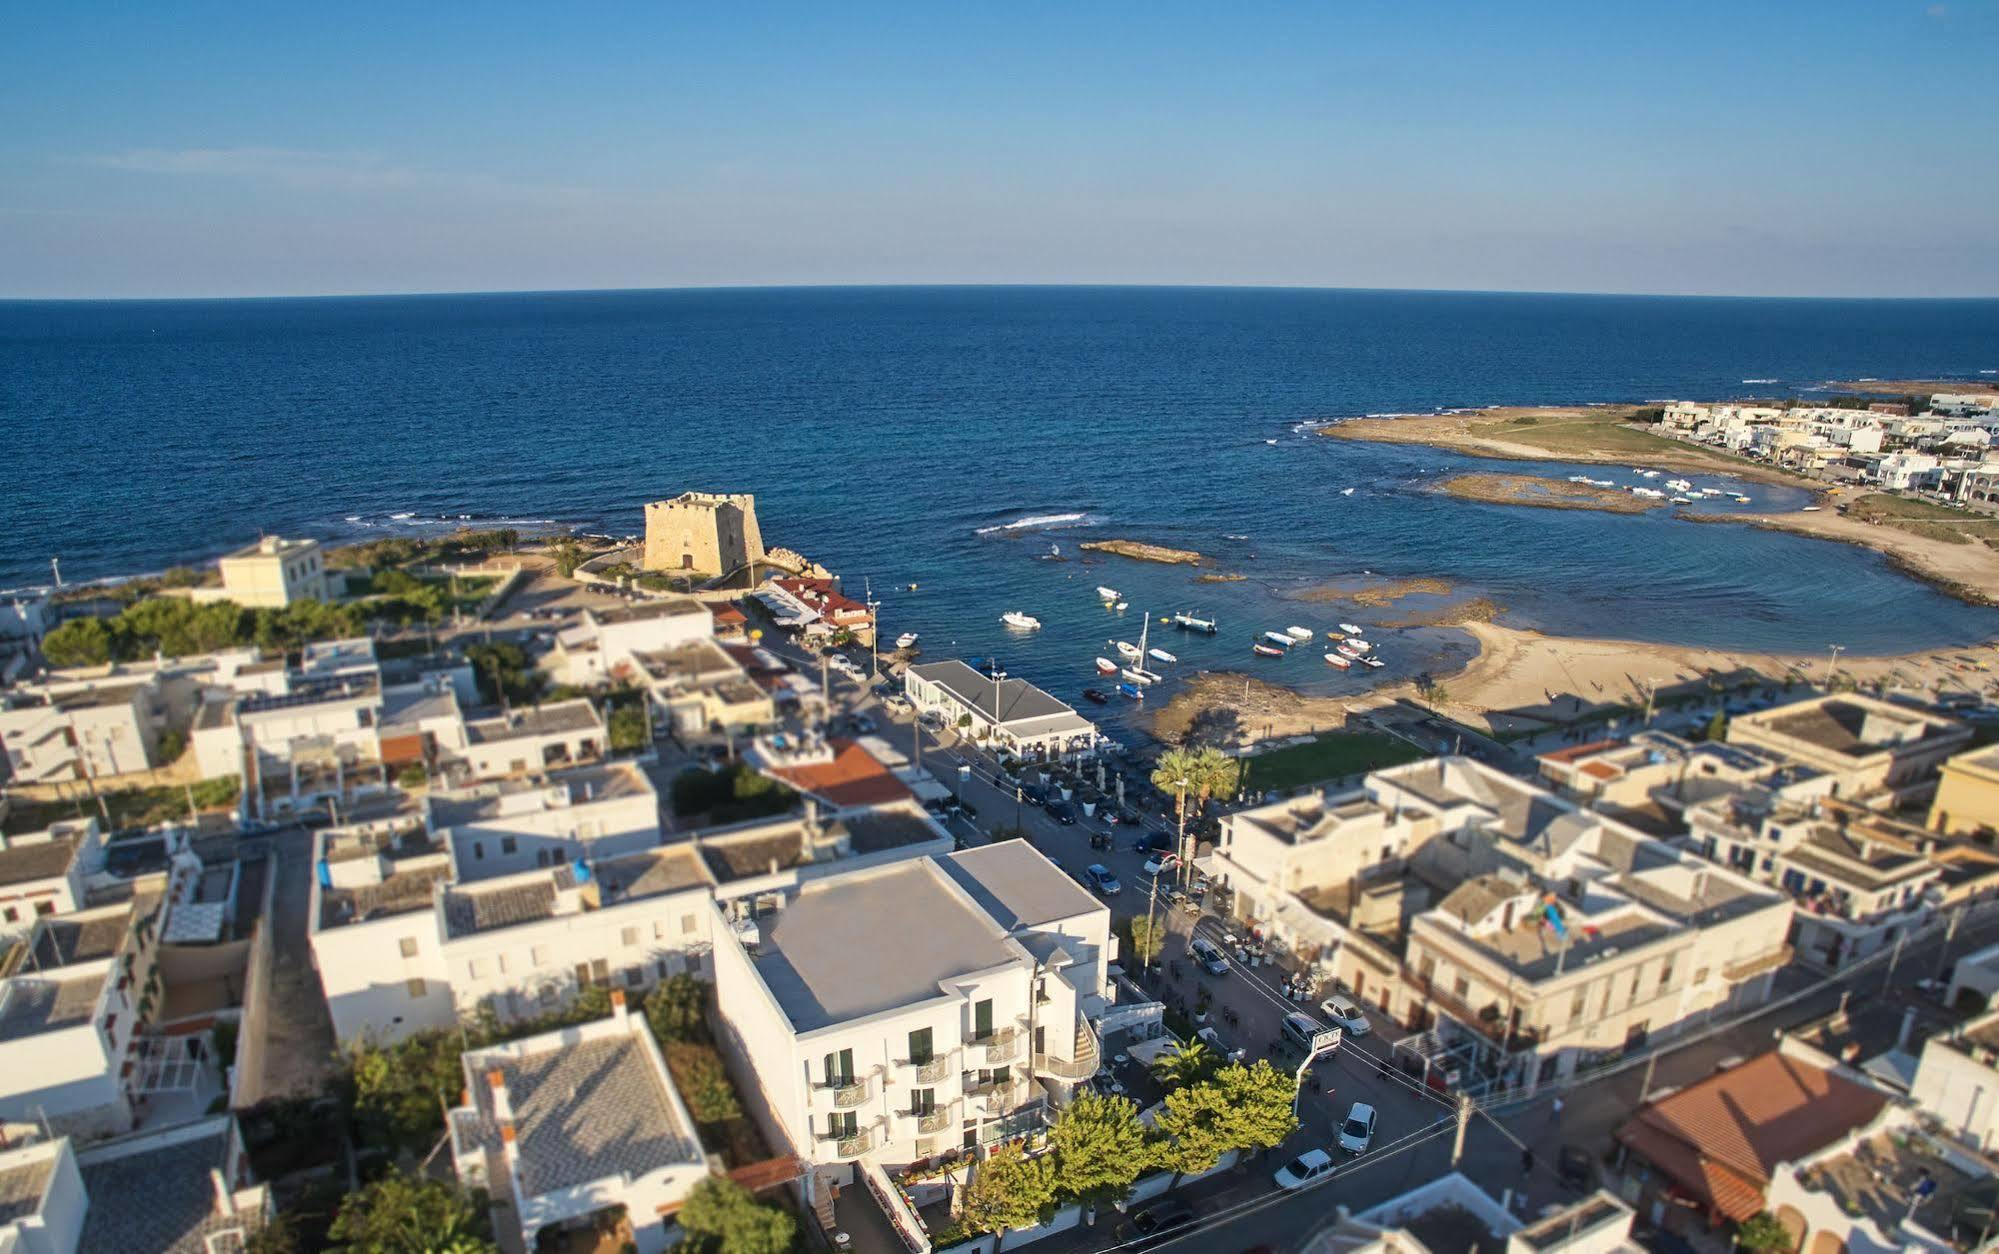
<point x="957" y="438"/>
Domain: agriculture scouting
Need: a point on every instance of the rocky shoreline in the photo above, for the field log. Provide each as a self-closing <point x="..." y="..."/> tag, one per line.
<point x="1139" y="551"/>
<point x="1541" y="493"/>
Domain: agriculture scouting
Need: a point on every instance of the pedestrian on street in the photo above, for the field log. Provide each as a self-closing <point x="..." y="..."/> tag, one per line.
<point x="1557" y="1108"/>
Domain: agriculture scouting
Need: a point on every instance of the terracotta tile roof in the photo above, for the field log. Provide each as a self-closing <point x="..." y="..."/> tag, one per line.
<point x="1601" y="770"/>
<point x="1719" y="1139"/>
<point x="853" y="778"/>
<point x="1573" y="752"/>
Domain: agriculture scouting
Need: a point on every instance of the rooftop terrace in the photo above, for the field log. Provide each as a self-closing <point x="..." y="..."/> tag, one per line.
<point x="558" y="719"/>
<point x="32" y="1005"/>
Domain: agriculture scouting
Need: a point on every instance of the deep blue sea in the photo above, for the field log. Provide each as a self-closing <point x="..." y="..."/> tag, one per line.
<point x="911" y="435"/>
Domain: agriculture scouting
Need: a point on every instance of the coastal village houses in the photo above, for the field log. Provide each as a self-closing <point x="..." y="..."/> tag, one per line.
<point x="1010" y="716"/>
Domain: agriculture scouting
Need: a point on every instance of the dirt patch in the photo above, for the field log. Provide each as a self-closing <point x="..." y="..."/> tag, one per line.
<point x="1220" y="577"/>
<point x="1544" y="493"/>
<point x="1141" y="552"/>
<point x="1229" y="708"/>
<point x="1476" y="610"/>
<point x="1395" y="589"/>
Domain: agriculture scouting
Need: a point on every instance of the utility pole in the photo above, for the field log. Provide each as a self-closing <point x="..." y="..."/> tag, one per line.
<point x="1832" y="664"/>
<point x="1645" y="1089"/>
<point x="1893" y="958"/>
<point x="874" y="630"/>
<point x="55" y="568"/>
<point x="1180" y="845"/>
<point x="1152" y="950"/>
<point x="1464" y="1122"/>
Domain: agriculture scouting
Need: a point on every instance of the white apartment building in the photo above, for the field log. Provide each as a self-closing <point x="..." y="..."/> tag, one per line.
<point x="70" y="731"/>
<point x="43" y="873"/>
<point x="184" y="1190"/>
<point x="71" y="1002"/>
<point x="1007" y="715"/>
<point x="1957" y="1081"/>
<point x="533" y="739"/>
<point x="1653" y="771"/>
<point x="594" y="650"/>
<point x="571" y="1124"/>
<point x="867" y="1047"/>
<point x="1532" y="934"/>
<point x="1859" y="879"/>
<point x="271" y="573"/>
<point x="1863" y="744"/>
<point x="504" y="828"/>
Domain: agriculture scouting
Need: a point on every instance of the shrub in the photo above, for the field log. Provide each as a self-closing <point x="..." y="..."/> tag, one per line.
<point x="703" y="1082"/>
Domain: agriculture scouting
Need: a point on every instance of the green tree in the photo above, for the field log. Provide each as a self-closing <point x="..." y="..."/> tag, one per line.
<point x="172" y="743"/>
<point x="677" y="1010"/>
<point x="401" y="1214"/>
<point x="1717" y="727"/>
<point x="703" y="1081"/>
<point x="78" y="642"/>
<point x="568" y="555"/>
<point x="412" y="776"/>
<point x="1762" y="1234"/>
<point x="1100" y="1147"/>
<point x="1199" y="773"/>
<point x="1191" y="1063"/>
<point x="1194" y="1128"/>
<point x="1147" y="937"/>
<point x="1259" y="1100"/>
<point x="630" y="728"/>
<point x="722" y="1217"/>
<point x="1008" y="1190"/>
<point x="502" y="670"/>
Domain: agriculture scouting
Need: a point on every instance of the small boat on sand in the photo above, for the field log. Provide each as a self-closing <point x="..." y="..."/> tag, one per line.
<point x="1024" y="622"/>
<point x="1350" y="629"/>
<point x="1299" y="633"/>
<point x="1106" y="667"/>
<point x="1337" y="660"/>
<point x="1266" y="650"/>
<point x="1160" y="655"/>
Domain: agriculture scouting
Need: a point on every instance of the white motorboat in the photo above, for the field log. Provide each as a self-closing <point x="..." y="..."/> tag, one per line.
<point x="1357" y="644"/>
<point x="1119" y="606"/>
<point x="1127" y="650"/>
<point x="1298" y="633"/>
<point x="1160" y="655"/>
<point x="905" y="640"/>
<point x="1350" y="629"/>
<point x="1337" y="660"/>
<point x="1109" y="595"/>
<point x="1106" y="667"/>
<point x="1678" y="485"/>
<point x="1346" y="491"/>
<point x="1025" y="622"/>
<point x="1682" y="500"/>
<point x="1188" y="622"/>
<point x="1139" y="675"/>
<point x="1350" y="651"/>
<point x="1372" y="661"/>
<point x="1278" y="638"/>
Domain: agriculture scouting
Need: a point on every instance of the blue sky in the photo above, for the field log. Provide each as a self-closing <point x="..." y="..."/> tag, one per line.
<point x="1825" y="148"/>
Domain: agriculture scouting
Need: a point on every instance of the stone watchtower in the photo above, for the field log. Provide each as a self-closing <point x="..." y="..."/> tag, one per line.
<point x="703" y="533"/>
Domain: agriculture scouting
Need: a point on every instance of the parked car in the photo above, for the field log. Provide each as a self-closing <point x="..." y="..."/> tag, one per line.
<point x="865" y="726"/>
<point x="1302" y="1170"/>
<point x="1357" y="1133"/>
<point x="1062" y="812"/>
<point x="1209" y="955"/>
<point x="1155" y="1223"/>
<point x="1160" y="863"/>
<point x="1153" y="842"/>
<point x="1342" y="1013"/>
<point x="1101" y="879"/>
<point x="1575" y="1167"/>
<point x="1100" y="840"/>
<point x="1034" y="794"/>
<point x="1301" y="1028"/>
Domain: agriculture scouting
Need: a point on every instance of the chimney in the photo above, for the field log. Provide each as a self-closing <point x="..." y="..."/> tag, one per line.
<point x="503" y="1114"/>
<point x="811" y="817"/>
<point x="618" y="1010"/>
<point x="225" y="1197"/>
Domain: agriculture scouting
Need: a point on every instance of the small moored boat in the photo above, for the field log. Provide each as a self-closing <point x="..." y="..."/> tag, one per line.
<point x="1106" y="667"/>
<point x="1160" y="655"/>
<point x="1337" y="660"/>
<point x="1266" y="650"/>
<point x="1132" y="690"/>
<point x="1350" y="629"/>
<point x="1139" y="675"/>
<point x="1278" y="638"/>
<point x="1095" y="696"/>
<point x="1298" y="633"/>
<point x="1109" y="595"/>
<point x="1372" y="661"/>
<point x="1025" y="622"/>
<point x="905" y="640"/>
<point x="1348" y="650"/>
<point x="1187" y="622"/>
<point x="1126" y="649"/>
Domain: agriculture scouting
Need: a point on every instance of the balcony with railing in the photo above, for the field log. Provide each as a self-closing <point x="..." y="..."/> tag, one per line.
<point x="844" y="1094"/>
<point x="1488" y="1021"/>
<point x="930" y="1122"/>
<point x="1080" y="1066"/>
<point x="996" y="1097"/>
<point x="928" y="1070"/>
<point x="998" y="1047"/>
<point x="848" y="1145"/>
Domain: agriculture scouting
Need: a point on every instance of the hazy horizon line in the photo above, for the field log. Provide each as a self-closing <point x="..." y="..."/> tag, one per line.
<point x="415" y="294"/>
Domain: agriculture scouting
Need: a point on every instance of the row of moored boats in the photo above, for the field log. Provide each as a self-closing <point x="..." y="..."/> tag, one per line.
<point x="1347" y="649"/>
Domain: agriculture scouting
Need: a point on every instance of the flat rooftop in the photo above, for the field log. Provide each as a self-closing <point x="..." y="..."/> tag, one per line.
<point x="1520" y="812"/>
<point x="688" y="663"/>
<point x="1877" y="1179"/>
<point x="21" y="1188"/>
<point x="559" y="719"/>
<point x="401" y="892"/>
<point x="412" y="704"/>
<point x="485" y="803"/>
<point x="1534" y="951"/>
<point x="827" y="957"/>
<point x="34" y="1005"/>
<point x="588" y="1111"/>
<point x="23" y="861"/>
<point x="161" y="1199"/>
<point x="64" y="940"/>
<point x="312" y="692"/>
<point x="470" y="909"/>
<point x="873" y="831"/>
<point x="1853" y="728"/>
<point x="641" y="611"/>
<point x="1017" y="886"/>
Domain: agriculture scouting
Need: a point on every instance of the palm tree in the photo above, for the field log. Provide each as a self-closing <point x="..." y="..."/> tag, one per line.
<point x="1191" y="1063"/>
<point x="1205" y="773"/>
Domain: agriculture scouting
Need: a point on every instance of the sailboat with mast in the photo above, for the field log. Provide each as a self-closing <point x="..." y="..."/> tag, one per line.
<point x="1136" y="672"/>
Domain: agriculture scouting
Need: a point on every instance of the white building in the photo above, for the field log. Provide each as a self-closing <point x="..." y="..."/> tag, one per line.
<point x="592" y="652"/>
<point x="1865" y="745"/>
<point x="1008" y="716"/>
<point x="573" y="1123"/>
<point x="79" y="731"/>
<point x="868" y="1047"/>
<point x="271" y="573"/>
<point x="185" y="1190"/>
<point x="43" y="873"/>
<point x="537" y="738"/>
<point x="71" y="1003"/>
<point x="520" y="825"/>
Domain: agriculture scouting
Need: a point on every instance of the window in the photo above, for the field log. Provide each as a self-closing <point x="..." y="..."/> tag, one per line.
<point x="982" y="1019"/>
<point x="478" y="851"/>
<point x="629" y="937"/>
<point x="1578" y="1005"/>
<point x="44" y="907"/>
<point x="582" y="975"/>
<point x="509" y="845"/>
<point x="923" y="1102"/>
<point x="919" y="1046"/>
<point x="415" y="986"/>
<point x="634" y="976"/>
<point x="500" y="961"/>
<point x="13" y="915"/>
<point x="838" y="1068"/>
<point x="600" y="970"/>
<point x="842" y="1123"/>
<point x="1666" y="972"/>
<point x="548" y="994"/>
<point x="1461" y="988"/>
<point x="659" y="929"/>
<point x="689" y="924"/>
<point x="408" y="944"/>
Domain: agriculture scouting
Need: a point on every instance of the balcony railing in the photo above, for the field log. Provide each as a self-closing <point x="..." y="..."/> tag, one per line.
<point x="934" y="1121"/>
<point x="1000" y="1046"/>
<point x="846" y="1146"/>
<point x="1489" y="1022"/>
<point x="847" y="1094"/>
<point x="1089" y="1056"/>
<point x="1747" y="967"/>
<point x="994" y="1097"/>
<point x="930" y="1069"/>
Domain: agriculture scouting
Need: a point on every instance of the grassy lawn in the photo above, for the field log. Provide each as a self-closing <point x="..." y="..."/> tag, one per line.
<point x="1925" y="518"/>
<point x="1597" y="434"/>
<point x="1330" y="756"/>
<point x="137" y="807"/>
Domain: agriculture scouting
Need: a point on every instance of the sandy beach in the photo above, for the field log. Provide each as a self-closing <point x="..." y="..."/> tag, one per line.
<point x="1523" y="679"/>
